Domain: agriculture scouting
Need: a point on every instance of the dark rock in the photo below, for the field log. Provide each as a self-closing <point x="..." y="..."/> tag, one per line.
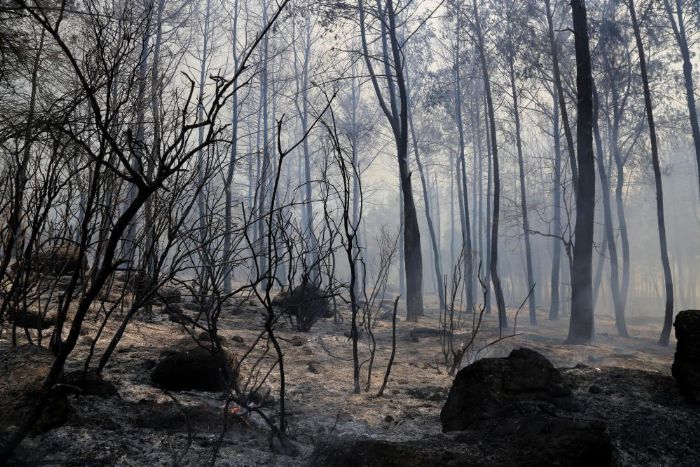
<point x="261" y="397"/>
<point x="176" y="315"/>
<point x="191" y="366"/>
<point x="686" y="362"/>
<point x="546" y="440"/>
<point x="378" y="453"/>
<point x="86" y="340"/>
<point x="22" y="372"/>
<point x="88" y="384"/>
<point x="297" y="341"/>
<point x="499" y="387"/>
<point x="648" y="419"/>
<point x="238" y="339"/>
<point x="386" y="316"/>
<point x="60" y="260"/>
<point x="172" y="417"/>
<point x="169" y="295"/>
<point x="306" y="303"/>
<point x="549" y="442"/>
<point x="428" y="393"/>
<point x="33" y="319"/>
<point x="420" y="333"/>
<point x="204" y="338"/>
<point x="191" y="306"/>
<point x="315" y="367"/>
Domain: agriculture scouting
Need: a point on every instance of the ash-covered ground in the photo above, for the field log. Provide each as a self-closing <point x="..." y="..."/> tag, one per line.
<point x="625" y="382"/>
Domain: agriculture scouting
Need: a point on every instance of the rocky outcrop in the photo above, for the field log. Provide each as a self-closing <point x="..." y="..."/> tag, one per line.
<point x="500" y="411"/>
<point x="686" y="362"/>
<point x="516" y="442"/>
<point x="22" y="373"/>
<point x="190" y="365"/>
<point x="502" y="387"/>
<point x="60" y="260"/>
<point x="87" y="384"/>
<point x="33" y="318"/>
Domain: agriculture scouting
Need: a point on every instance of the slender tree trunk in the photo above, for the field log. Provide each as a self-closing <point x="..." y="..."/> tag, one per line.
<point x="523" y="197"/>
<point x="426" y="201"/>
<point x="233" y="160"/>
<point x="556" y="204"/>
<point x="668" y="279"/>
<point x="201" y="202"/>
<point x="266" y="162"/>
<point x="682" y="40"/>
<point x="581" y="325"/>
<point x="397" y="115"/>
<point x="608" y="225"/>
<point x="128" y="246"/>
<point x="14" y="222"/>
<point x="489" y="238"/>
<point x="495" y="279"/>
<point x="554" y="51"/>
<point x="452" y="214"/>
<point x="303" y="94"/>
<point x="466" y="228"/>
<point x="402" y="249"/>
<point x="598" y="277"/>
<point x="356" y="193"/>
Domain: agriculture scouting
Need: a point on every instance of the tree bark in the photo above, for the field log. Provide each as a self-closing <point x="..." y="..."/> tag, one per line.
<point x="397" y="115"/>
<point x="556" y="72"/>
<point x="668" y="279"/>
<point x="556" y="204"/>
<point x="495" y="279"/>
<point x="523" y="197"/>
<point x="682" y="40"/>
<point x="233" y="160"/>
<point x="581" y="325"/>
<point x="464" y="201"/>
<point x="608" y="225"/>
<point x="426" y="200"/>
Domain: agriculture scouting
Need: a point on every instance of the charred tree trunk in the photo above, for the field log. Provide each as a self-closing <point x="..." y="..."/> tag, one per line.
<point x="233" y="160"/>
<point x="523" y="197"/>
<point x="426" y="200"/>
<point x="556" y="195"/>
<point x="396" y="112"/>
<point x="495" y="279"/>
<point x="581" y="325"/>
<point x="560" y="94"/>
<point x="608" y="225"/>
<point x="682" y="40"/>
<point x="668" y="279"/>
<point x="464" y="201"/>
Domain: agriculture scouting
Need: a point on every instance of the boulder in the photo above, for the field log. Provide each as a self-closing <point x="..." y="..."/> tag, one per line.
<point x="381" y="453"/>
<point x="33" y="318"/>
<point x="60" y="260"/>
<point x="499" y="387"/>
<point x="138" y="283"/>
<point x="686" y="362"/>
<point x="169" y="295"/>
<point x="23" y="371"/>
<point x="189" y="365"/>
<point x="520" y="442"/>
<point x="88" y="384"/>
<point x="306" y="302"/>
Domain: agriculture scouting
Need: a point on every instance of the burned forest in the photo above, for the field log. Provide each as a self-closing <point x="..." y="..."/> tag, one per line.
<point x="224" y="238"/>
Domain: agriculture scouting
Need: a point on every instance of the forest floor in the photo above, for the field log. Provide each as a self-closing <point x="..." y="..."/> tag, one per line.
<point x="144" y="425"/>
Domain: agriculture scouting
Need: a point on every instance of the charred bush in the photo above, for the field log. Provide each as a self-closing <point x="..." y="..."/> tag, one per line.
<point x="306" y="303"/>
